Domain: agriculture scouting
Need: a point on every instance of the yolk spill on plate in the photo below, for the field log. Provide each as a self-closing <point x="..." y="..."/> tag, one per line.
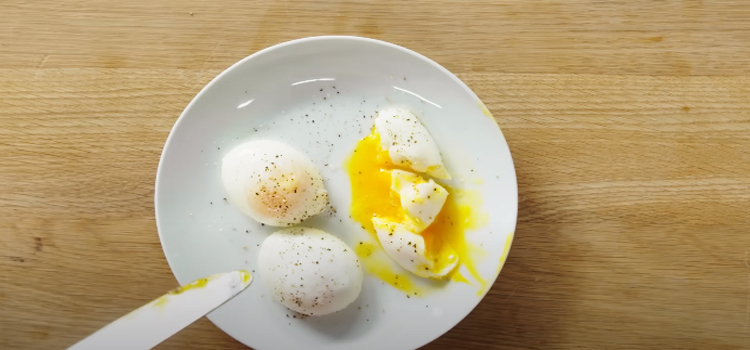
<point x="369" y="173"/>
<point x="450" y="227"/>
<point x="485" y="110"/>
<point x="376" y="263"/>
<point x="506" y="250"/>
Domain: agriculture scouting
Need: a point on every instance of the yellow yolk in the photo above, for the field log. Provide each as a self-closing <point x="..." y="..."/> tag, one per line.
<point x="371" y="184"/>
<point x="197" y="284"/>
<point x="369" y="172"/>
<point x="377" y="264"/>
<point x="449" y="229"/>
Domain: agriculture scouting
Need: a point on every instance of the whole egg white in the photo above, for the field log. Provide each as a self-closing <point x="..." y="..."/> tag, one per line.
<point x="310" y="271"/>
<point x="273" y="183"/>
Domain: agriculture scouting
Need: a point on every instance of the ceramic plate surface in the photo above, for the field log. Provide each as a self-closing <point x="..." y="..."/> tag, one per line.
<point x="319" y="95"/>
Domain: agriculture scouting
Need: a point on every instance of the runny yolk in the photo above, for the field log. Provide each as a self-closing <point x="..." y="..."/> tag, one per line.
<point x="371" y="184"/>
<point x="369" y="172"/>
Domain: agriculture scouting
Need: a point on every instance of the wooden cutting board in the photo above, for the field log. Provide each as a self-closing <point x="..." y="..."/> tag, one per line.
<point x="629" y="123"/>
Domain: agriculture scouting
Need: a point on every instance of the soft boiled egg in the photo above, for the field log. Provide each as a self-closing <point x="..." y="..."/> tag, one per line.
<point x="414" y="219"/>
<point x="310" y="271"/>
<point x="421" y="201"/>
<point x="408" y="142"/>
<point x="273" y="183"/>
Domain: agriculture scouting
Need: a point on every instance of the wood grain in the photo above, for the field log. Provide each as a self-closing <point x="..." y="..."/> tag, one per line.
<point x="629" y="123"/>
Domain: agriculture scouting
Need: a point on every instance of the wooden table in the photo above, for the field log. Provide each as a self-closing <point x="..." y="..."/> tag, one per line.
<point x="629" y="122"/>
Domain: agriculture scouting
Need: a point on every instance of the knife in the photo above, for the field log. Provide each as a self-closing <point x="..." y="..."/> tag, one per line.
<point x="158" y="320"/>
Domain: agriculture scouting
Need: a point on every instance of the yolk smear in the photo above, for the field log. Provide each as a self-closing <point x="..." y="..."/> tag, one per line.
<point x="369" y="172"/>
<point x="164" y="299"/>
<point x="192" y="285"/>
<point x="161" y="301"/>
<point x="449" y="228"/>
<point x="460" y="278"/>
<point x="506" y="250"/>
<point x="484" y="109"/>
<point x="377" y="264"/>
<point x="246" y="276"/>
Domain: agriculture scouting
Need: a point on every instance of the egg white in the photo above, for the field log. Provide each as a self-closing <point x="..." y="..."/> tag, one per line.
<point x="309" y="271"/>
<point x="409" y="143"/>
<point x="407" y="249"/>
<point x="273" y="183"/>
<point x="421" y="200"/>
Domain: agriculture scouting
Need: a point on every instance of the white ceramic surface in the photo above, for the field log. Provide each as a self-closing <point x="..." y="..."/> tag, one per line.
<point x="319" y="95"/>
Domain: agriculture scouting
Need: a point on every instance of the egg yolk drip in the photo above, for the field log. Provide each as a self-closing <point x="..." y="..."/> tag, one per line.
<point x="448" y="231"/>
<point x="369" y="169"/>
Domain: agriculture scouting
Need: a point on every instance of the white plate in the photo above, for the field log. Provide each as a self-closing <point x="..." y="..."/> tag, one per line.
<point x="276" y="93"/>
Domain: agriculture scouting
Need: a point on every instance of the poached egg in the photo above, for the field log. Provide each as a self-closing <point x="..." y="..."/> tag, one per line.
<point x="310" y="271"/>
<point x="273" y="183"/>
<point x="417" y="222"/>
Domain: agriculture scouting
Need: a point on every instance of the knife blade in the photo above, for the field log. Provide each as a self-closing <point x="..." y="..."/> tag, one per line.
<point x="156" y="321"/>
